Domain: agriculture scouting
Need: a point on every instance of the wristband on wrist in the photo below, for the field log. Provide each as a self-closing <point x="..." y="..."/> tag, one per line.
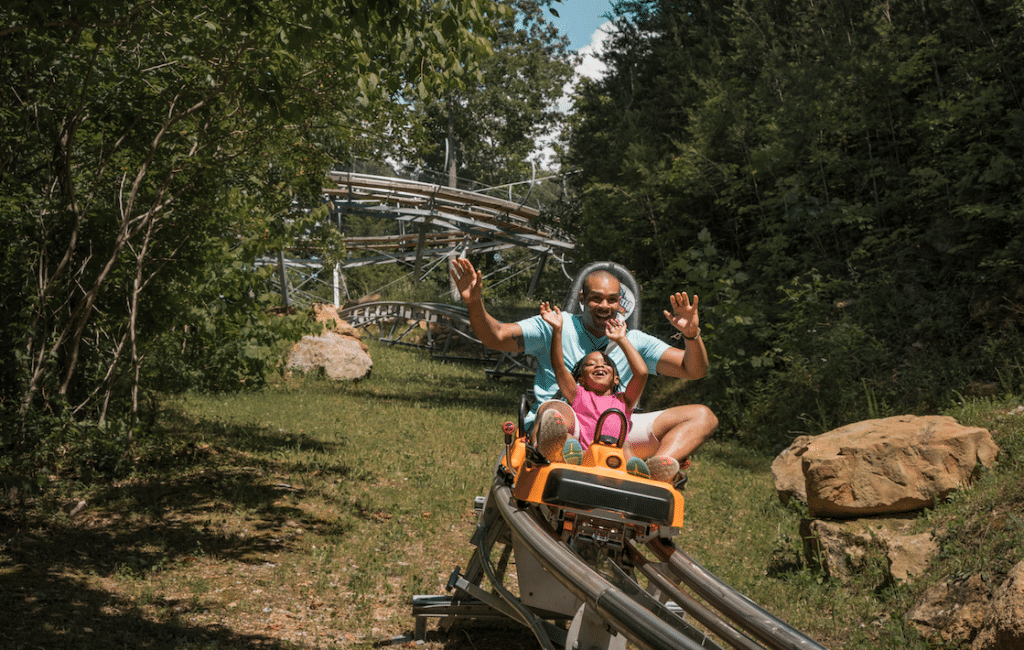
<point x="679" y="335"/>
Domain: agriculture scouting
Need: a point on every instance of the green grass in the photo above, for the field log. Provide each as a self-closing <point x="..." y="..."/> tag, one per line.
<point x="309" y="513"/>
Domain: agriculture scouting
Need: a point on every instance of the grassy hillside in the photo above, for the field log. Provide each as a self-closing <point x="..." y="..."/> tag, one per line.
<point x="308" y="514"/>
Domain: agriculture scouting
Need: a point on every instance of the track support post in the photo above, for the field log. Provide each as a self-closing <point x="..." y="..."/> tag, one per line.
<point x="588" y="631"/>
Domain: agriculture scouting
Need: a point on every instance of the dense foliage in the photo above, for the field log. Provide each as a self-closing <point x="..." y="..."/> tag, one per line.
<point x="840" y="182"/>
<point x="149" y="151"/>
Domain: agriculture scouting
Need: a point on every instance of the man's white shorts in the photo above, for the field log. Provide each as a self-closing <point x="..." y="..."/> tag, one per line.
<point x="640" y="439"/>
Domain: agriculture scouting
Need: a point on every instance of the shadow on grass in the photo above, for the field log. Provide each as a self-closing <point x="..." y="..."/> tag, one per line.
<point x="250" y="444"/>
<point x="120" y="573"/>
<point x="49" y="601"/>
<point x="45" y="610"/>
<point x="53" y="567"/>
<point x="504" y="398"/>
<point x="474" y="635"/>
<point x="247" y="438"/>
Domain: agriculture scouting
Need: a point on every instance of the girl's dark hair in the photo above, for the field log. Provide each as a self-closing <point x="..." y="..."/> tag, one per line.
<point x="577" y="370"/>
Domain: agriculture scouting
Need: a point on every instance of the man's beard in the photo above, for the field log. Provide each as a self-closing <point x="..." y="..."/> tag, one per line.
<point x="588" y="319"/>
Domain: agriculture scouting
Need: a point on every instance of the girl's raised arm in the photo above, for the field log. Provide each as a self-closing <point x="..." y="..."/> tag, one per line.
<point x="553" y="317"/>
<point x="616" y="331"/>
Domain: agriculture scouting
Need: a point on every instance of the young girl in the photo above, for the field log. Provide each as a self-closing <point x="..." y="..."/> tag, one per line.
<point x="592" y="388"/>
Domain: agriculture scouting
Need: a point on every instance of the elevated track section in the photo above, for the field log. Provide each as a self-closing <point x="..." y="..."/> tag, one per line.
<point x="437" y="220"/>
<point x="442" y="329"/>
<point x="426" y="224"/>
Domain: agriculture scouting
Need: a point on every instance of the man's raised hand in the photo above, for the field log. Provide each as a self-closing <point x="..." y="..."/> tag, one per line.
<point x="468" y="280"/>
<point x="551" y="315"/>
<point x="684" y="314"/>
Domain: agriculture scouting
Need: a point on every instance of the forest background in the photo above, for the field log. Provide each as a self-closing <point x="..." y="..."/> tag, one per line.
<point x="840" y="183"/>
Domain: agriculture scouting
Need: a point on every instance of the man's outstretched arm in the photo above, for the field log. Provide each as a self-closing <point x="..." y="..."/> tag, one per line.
<point x="505" y="337"/>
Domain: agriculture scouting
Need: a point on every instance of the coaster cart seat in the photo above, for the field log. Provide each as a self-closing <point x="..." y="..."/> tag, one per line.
<point x="595" y="502"/>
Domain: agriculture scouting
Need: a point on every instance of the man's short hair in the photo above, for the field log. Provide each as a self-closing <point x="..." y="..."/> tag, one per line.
<point x="595" y="274"/>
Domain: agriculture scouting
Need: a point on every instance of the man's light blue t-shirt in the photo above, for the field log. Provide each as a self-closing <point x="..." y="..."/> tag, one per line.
<point x="576" y="344"/>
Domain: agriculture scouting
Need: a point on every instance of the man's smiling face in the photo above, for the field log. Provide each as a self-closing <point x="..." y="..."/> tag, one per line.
<point x="601" y="300"/>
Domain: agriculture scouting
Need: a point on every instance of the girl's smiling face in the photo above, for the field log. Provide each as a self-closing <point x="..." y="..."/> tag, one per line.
<point x="597" y="373"/>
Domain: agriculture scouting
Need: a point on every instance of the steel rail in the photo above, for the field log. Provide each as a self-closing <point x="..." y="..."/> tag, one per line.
<point x="612" y="604"/>
<point x="612" y="595"/>
<point x="757" y="622"/>
<point x="467" y="222"/>
<point x="703" y="615"/>
<point x="627" y="582"/>
<point x="474" y="214"/>
<point x="430" y="191"/>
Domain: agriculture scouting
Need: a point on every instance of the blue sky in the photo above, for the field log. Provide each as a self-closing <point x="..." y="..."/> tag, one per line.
<point x="579" y="19"/>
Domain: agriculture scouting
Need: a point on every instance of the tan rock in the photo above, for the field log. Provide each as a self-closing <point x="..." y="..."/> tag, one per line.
<point x="890" y="465"/>
<point x="952" y="611"/>
<point x="328" y="314"/>
<point x="1003" y="627"/>
<point x="909" y="555"/>
<point x="841" y="548"/>
<point x="788" y="473"/>
<point x="338" y="357"/>
<point x="838" y="548"/>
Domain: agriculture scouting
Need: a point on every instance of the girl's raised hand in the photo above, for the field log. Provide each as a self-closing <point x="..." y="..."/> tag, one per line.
<point x="615" y="329"/>
<point x="551" y="315"/>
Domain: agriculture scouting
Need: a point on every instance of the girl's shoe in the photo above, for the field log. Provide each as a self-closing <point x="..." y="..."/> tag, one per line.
<point x="551" y="435"/>
<point x="663" y="468"/>
<point x="637" y="467"/>
<point x="572" y="451"/>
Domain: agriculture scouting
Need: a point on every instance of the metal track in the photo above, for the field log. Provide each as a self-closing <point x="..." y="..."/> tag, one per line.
<point x="612" y="593"/>
<point x="449" y="335"/>
<point x="762" y="625"/>
<point x="458" y="217"/>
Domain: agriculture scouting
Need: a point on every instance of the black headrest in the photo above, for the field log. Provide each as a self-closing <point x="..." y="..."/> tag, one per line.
<point x="629" y="290"/>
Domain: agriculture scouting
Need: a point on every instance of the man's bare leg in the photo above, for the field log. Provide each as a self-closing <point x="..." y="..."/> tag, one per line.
<point x="682" y="429"/>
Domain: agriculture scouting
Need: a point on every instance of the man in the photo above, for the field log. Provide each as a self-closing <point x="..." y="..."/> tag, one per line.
<point x="673" y="433"/>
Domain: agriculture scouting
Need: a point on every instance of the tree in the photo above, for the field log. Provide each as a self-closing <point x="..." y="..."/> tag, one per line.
<point x="489" y="130"/>
<point x="840" y="179"/>
<point x="148" y="147"/>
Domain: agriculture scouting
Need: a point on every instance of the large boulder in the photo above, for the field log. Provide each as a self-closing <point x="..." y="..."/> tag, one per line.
<point x="338" y="357"/>
<point x="885" y="466"/>
<point x="788" y="473"/>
